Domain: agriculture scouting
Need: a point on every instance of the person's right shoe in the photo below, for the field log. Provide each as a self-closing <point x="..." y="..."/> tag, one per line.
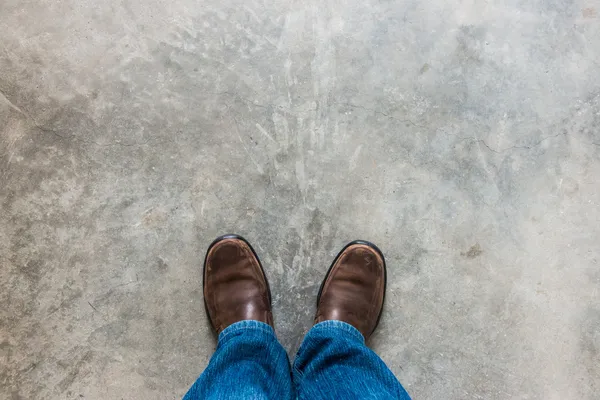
<point x="353" y="290"/>
<point x="235" y="285"/>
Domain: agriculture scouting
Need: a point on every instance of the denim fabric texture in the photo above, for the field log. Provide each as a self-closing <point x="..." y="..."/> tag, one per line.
<point x="333" y="362"/>
<point x="249" y="363"/>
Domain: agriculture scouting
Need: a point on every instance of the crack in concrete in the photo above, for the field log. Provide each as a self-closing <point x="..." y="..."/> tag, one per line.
<point x="28" y="117"/>
<point x="380" y="113"/>
<point x="54" y="132"/>
<point x="499" y="151"/>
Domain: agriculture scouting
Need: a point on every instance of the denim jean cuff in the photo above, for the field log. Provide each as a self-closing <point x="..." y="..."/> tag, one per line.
<point x="334" y="327"/>
<point x="246" y="327"/>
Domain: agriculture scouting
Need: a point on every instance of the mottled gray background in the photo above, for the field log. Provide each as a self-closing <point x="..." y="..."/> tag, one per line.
<point x="462" y="137"/>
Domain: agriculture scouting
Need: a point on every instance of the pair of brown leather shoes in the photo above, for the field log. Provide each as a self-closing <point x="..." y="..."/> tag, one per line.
<point x="236" y="288"/>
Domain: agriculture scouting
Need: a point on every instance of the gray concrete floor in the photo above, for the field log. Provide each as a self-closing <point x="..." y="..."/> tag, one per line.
<point x="461" y="137"/>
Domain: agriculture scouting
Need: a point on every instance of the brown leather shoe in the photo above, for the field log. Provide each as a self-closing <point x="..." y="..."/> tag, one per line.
<point x="235" y="286"/>
<point x="354" y="288"/>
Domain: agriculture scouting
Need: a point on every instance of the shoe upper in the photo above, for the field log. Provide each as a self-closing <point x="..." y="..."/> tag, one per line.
<point x="354" y="288"/>
<point x="235" y="286"/>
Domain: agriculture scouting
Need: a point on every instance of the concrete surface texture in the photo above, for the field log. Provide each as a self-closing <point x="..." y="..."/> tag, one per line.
<point x="461" y="137"/>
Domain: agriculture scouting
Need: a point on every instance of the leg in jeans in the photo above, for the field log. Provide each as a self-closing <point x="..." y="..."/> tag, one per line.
<point x="333" y="361"/>
<point x="249" y="363"/>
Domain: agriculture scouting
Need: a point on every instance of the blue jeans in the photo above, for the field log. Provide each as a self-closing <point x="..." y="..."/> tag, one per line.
<point x="333" y="362"/>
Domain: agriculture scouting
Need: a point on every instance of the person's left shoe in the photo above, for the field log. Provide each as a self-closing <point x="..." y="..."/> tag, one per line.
<point x="235" y="285"/>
